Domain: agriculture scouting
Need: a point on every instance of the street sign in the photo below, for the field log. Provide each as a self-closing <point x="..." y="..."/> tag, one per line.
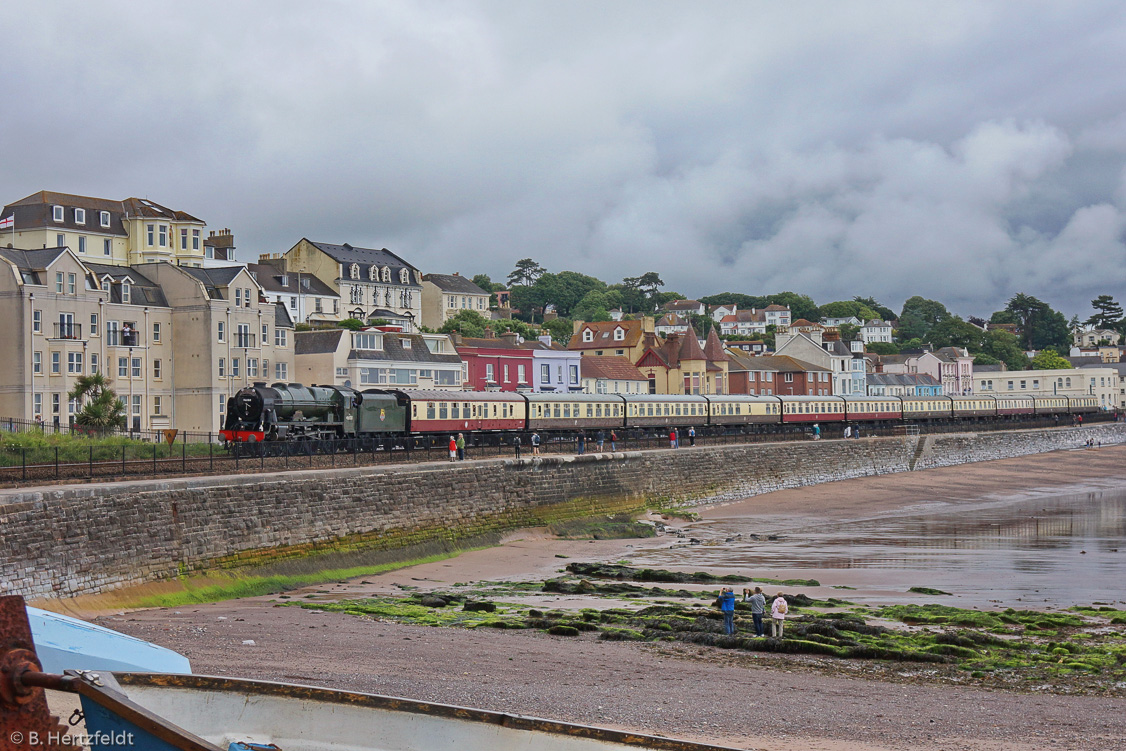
<point x="170" y="436"/>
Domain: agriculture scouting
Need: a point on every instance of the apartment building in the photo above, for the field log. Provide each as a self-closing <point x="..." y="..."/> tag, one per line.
<point x="306" y="298"/>
<point x="446" y="295"/>
<point x="377" y="359"/>
<point x="118" y="233"/>
<point x="1100" y="381"/>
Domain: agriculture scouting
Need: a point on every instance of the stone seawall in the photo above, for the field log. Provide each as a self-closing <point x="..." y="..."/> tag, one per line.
<point x="78" y="540"/>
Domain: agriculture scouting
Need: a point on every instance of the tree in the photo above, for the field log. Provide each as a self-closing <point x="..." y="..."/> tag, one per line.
<point x="1040" y="326"/>
<point x="701" y="324"/>
<point x="745" y="302"/>
<point x="468" y="323"/>
<point x="1048" y="359"/>
<point x="526" y="273"/>
<point x="560" y="330"/>
<point x="919" y="316"/>
<point x="845" y="309"/>
<point x="954" y="332"/>
<point x="102" y="409"/>
<point x="596" y="305"/>
<point x="650" y="283"/>
<point x="884" y="312"/>
<point x="801" y="306"/>
<point x="849" y="332"/>
<point x="1003" y="346"/>
<point x="882" y="348"/>
<point x="1108" y="313"/>
<point x="354" y="324"/>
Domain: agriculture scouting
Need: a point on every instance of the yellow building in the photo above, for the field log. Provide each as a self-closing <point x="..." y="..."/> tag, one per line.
<point x="118" y="233"/>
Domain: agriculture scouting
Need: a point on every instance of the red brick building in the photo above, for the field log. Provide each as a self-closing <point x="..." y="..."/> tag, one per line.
<point x="777" y="376"/>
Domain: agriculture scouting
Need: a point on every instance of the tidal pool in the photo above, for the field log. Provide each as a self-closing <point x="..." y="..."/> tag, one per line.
<point x="1047" y="551"/>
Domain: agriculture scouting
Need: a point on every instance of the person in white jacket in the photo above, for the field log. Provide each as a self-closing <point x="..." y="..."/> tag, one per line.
<point x="778" y="610"/>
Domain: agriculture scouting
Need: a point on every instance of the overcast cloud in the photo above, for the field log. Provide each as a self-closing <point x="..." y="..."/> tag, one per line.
<point x="959" y="151"/>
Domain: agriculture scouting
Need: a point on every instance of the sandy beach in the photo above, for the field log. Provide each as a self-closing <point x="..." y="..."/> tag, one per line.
<point x="744" y="700"/>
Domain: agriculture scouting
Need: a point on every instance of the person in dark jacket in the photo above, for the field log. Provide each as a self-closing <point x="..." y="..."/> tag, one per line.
<point x="727" y="607"/>
<point x="581" y="440"/>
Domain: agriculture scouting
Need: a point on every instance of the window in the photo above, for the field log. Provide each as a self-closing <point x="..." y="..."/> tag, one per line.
<point x="385" y="274"/>
<point x="149" y="230"/>
<point x="80" y="216"/>
<point x="156" y="406"/>
<point x="281" y="372"/>
<point x="446" y="377"/>
<point x="354" y="271"/>
<point x="57" y="213"/>
<point x="234" y="367"/>
<point x="81" y="244"/>
<point x="93" y="324"/>
<point x="106" y="246"/>
<point x="265" y="334"/>
<point x="452" y="301"/>
<point x="136" y="367"/>
<point x="103" y="218"/>
<point x="238" y="297"/>
<point x="58" y="282"/>
<point x="506" y="372"/>
<point x="588" y="335"/>
<point x="184" y="238"/>
<point x="195" y="240"/>
<point x="136" y="404"/>
<point x="545" y="373"/>
<point x="126" y="292"/>
<point x="367" y="341"/>
<point x="619" y="334"/>
<point x="252" y="367"/>
<point x="293" y="302"/>
<point x="55" y="402"/>
<point x="162" y="233"/>
<point x="317" y="304"/>
<point x="74" y="363"/>
<point x="222" y="331"/>
<point x="55" y="363"/>
<point x="36" y="362"/>
<point x="122" y="367"/>
<point x="280" y="338"/>
<point x="242" y="335"/>
<point x="222" y="367"/>
<point x="521" y="374"/>
<point x="156" y="368"/>
<point x="156" y="333"/>
<point x="574" y="374"/>
<point x="37" y="321"/>
<point x="490" y="375"/>
<point x="789" y="378"/>
<point x="37" y="405"/>
<point x="404" y="276"/>
<point x="71" y="281"/>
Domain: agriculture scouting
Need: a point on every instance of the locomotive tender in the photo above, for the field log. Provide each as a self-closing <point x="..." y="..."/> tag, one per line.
<point x="291" y="411"/>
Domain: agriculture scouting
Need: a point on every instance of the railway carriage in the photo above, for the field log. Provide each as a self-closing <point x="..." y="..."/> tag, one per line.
<point x="664" y="410"/>
<point x="434" y="411"/>
<point x="574" y="411"/>
<point x="1050" y="405"/>
<point x="1015" y="406"/>
<point x="808" y="409"/>
<point x="872" y="408"/>
<point x="744" y="410"/>
<point x="974" y="406"/>
<point x="927" y="407"/>
<point x="1082" y="405"/>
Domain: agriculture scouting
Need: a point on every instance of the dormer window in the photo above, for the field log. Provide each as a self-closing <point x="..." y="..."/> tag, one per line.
<point x="404" y="276"/>
<point x="305" y="283"/>
<point x="406" y="343"/>
<point x="284" y="280"/>
<point x="126" y="291"/>
<point x="354" y="272"/>
<point x="385" y="274"/>
<point x="372" y="274"/>
<point x="104" y="218"/>
<point x="367" y="341"/>
<point x="588" y="335"/>
<point x="417" y="277"/>
<point x="58" y="213"/>
<point x="80" y="216"/>
<point x="619" y="335"/>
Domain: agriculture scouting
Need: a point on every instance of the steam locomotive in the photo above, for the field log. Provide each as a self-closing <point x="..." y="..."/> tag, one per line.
<point x="291" y="411"/>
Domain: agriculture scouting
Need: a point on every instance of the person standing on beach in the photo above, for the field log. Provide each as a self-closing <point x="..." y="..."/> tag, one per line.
<point x="727" y="607"/>
<point x="453" y="449"/>
<point x="460" y="443"/>
<point x="778" y="610"/>
<point x="758" y="608"/>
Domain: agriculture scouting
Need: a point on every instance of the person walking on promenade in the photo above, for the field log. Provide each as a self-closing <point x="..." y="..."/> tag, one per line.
<point x="816" y="432"/>
<point x="460" y="446"/>
<point x="535" y="444"/>
<point x="848" y="431"/>
<point x="581" y="441"/>
<point x="778" y="610"/>
<point x="613" y="441"/>
<point x="727" y="607"/>
<point x="453" y="449"/>
<point x="672" y="438"/>
<point x="758" y="608"/>
<point x="692" y="436"/>
<point x="601" y="440"/>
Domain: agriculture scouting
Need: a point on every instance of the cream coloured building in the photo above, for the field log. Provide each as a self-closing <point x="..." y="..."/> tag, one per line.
<point x="1095" y="381"/>
<point x="446" y="295"/>
<point x="153" y="329"/>
<point x="118" y="233"/>
<point x="377" y="359"/>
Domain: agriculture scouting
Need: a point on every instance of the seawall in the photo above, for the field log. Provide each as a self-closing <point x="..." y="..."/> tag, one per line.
<point x="80" y="540"/>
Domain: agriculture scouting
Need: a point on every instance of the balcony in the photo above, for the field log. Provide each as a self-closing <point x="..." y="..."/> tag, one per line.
<point x="67" y="330"/>
<point x="123" y="338"/>
<point x="245" y="341"/>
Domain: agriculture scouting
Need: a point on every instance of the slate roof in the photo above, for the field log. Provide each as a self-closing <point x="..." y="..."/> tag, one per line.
<point x="612" y="368"/>
<point x="902" y="379"/>
<point x="773" y="363"/>
<point x="282" y="317"/>
<point x="271" y="280"/>
<point x="213" y="279"/>
<point x="997" y="368"/>
<point x="31" y="261"/>
<point x="34" y="212"/>
<point x="1086" y="361"/>
<point x="142" y="291"/>
<point x="393" y="350"/>
<point x="316" y="342"/>
<point x="366" y="258"/>
<point x="454" y="283"/>
<point x="682" y="305"/>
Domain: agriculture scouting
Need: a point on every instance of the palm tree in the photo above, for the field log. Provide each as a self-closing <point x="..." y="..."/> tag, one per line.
<point x="102" y="409"/>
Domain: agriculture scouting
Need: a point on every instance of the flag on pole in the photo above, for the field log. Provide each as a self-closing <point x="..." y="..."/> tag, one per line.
<point x="8" y="222"/>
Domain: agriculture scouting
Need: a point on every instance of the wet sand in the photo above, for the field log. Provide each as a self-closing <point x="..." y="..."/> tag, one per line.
<point x="748" y="701"/>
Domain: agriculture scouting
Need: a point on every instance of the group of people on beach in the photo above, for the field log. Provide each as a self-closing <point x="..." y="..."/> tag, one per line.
<point x="757" y="601"/>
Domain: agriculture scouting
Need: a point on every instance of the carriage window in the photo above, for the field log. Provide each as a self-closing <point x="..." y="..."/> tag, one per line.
<point x="465" y="409"/>
<point x="567" y="410"/>
<point x="590" y="410"/>
<point x="494" y="410"/>
<point x="429" y="410"/>
<point x="557" y="408"/>
<point x="598" y="410"/>
<point x="443" y="411"/>
<point x="454" y="414"/>
<point x="414" y="410"/>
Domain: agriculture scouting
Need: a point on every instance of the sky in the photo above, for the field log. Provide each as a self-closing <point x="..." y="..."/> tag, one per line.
<point x="962" y="151"/>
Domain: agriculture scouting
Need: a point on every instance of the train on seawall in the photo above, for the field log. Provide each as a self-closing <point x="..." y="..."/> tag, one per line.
<point x="290" y="411"/>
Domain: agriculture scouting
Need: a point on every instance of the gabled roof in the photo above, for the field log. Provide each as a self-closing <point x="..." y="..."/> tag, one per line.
<point x="142" y="290"/>
<point x="214" y="279"/>
<point x="295" y="282"/>
<point x="603" y="332"/>
<point x="612" y="368"/>
<point x="672" y="319"/>
<point x="393" y="350"/>
<point x="775" y="307"/>
<point x="316" y="342"/>
<point x="774" y="364"/>
<point x="282" y="317"/>
<point x="682" y="305"/>
<point x="454" y="283"/>
<point x="32" y="260"/>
